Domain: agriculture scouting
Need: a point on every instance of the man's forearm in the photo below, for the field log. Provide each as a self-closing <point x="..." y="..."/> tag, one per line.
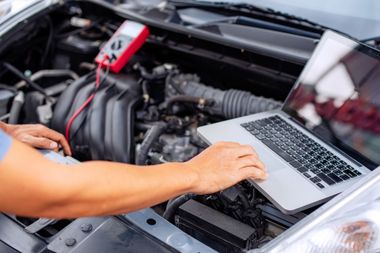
<point x="121" y="188"/>
<point x="93" y="188"/>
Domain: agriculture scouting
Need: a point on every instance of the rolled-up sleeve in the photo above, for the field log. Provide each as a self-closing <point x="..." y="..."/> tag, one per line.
<point x="5" y="144"/>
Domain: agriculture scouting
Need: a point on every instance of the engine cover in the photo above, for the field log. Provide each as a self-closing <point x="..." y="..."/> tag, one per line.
<point x="104" y="130"/>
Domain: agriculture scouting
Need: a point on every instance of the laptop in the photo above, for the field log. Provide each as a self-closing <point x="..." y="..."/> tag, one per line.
<point x="325" y="137"/>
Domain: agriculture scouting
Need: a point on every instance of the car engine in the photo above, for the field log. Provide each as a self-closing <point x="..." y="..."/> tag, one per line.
<point x="148" y="113"/>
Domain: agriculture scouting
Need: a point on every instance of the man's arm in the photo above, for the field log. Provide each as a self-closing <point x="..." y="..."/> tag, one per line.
<point x="31" y="185"/>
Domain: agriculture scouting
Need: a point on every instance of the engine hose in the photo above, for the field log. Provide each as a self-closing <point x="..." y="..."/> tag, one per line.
<point x="151" y="137"/>
<point x="20" y="75"/>
<point x="244" y="200"/>
<point x="238" y="103"/>
<point x="201" y="102"/>
<point x="157" y="73"/>
<point x="229" y="104"/>
<point x="17" y="104"/>
<point x="48" y="73"/>
<point x="173" y="205"/>
<point x="144" y="73"/>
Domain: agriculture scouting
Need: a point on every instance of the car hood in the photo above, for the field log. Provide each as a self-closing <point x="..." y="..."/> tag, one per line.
<point x="13" y="12"/>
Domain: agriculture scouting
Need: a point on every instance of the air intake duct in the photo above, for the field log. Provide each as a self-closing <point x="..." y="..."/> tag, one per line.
<point x="229" y="103"/>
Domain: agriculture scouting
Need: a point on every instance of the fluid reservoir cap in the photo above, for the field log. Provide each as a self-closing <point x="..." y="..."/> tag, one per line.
<point x="180" y="241"/>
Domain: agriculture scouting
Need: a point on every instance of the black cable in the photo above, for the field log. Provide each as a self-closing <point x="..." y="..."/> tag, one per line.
<point x="150" y="137"/>
<point x="20" y="75"/>
<point x="49" y="42"/>
<point x="174" y="204"/>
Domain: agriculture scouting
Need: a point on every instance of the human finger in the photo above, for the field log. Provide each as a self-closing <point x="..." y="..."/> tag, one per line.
<point x="243" y="150"/>
<point x="250" y="160"/>
<point x="40" y="142"/>
<point x="252" y="172"/>
<point x="55" y="136"/>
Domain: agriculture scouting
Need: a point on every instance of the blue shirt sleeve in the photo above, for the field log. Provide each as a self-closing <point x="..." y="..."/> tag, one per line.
<point x="5" y="144"/>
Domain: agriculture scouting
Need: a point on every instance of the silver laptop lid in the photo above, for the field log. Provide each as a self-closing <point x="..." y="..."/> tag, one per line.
<point x="337" y="97"/>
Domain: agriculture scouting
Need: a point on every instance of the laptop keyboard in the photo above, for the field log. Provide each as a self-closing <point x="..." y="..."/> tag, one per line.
<point x="313" y="161"/>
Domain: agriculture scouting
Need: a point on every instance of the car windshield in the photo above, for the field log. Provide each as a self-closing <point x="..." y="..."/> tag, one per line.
<point x="359" y="19"/>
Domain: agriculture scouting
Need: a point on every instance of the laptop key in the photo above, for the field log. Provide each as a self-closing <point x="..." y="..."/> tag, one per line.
<point x="335" y="177"/>
<point x="306" y="175"/>
<point x="340" y="166"/>
<point x="313" y="161"/>
<point x="350" y="173"/>
<point x="285" y="156"/>
<point x="249" y="128"/>
<point x="338" y="172"/>
<point x="296" y="164"/>
<point x="289" y="151"/>
<point x="315" y="171"/>
<point x="294" y="156"/>
<point x="254" y="132"/>
<point x="260" y="136"/>
<point x="324" y="170"/>
<point x="315" y="179"/>
<point x="302" y="169"/>
<point x="261" y="123"/>
<point x="324" y="162"/>
<point x="320" y="185"/>
<point x="257" y="126"/>
<point x="326" y="179"/>
<point x="277" y="150"/>
<point x="344" y="177"/>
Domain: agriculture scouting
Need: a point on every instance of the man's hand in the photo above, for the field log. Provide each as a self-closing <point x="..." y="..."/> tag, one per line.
<point x="225" y="164"/>
<point x="37" y="136"/>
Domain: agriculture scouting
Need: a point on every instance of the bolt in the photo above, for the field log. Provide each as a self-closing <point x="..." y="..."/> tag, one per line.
<point x="86" y="228"/>
<point x="28" y="73"/>
<point x="70" y="242"/>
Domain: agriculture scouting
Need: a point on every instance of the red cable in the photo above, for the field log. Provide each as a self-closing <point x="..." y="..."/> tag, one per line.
<point x="87" y="102"/>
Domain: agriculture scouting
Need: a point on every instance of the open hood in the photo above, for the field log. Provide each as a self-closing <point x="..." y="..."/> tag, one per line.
<point x="13" y="12"/>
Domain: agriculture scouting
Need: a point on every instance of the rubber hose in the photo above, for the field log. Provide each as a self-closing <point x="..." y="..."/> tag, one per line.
<point x="48" y="73"/>
<point x="17" y="104"/>
<point x="238" y="103"/>
<point x="186" y="99"/>
<point x="174" y="204"/>
<point x="152" y="135"/>
<point x="229" y="104"/>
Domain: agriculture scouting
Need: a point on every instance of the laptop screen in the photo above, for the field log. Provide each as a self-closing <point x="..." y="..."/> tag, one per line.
<point x="337" y="97"/>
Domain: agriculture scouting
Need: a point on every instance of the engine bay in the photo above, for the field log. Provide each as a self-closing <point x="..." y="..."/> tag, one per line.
<point x="148" y="113"/>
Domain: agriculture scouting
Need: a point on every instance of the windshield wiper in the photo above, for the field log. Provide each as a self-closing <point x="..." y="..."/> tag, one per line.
<point x="239" y="6"/>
